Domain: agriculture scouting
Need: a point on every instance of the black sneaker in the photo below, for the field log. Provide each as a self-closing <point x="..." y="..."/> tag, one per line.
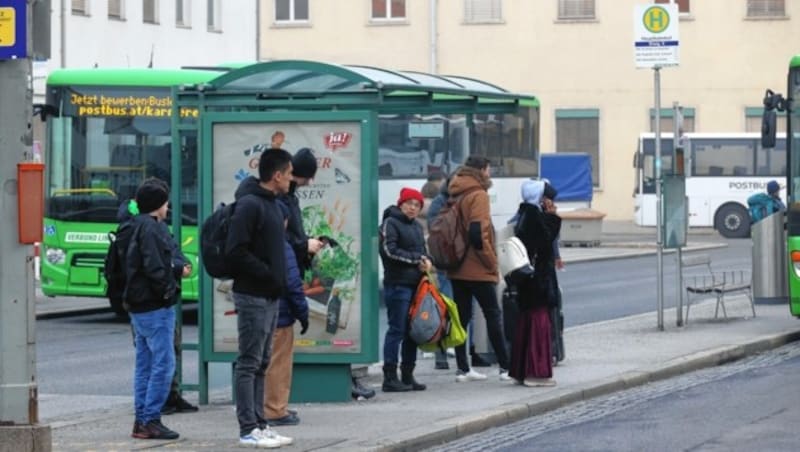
<point x="442" y="365"/>
<point x="156" y="430"/>
<point x="168" y="408"/>
<point x="289" y="419"/>
<point x="358" y="391"/>
<point x="138" y="431"/>
<point x="183" y="406"/>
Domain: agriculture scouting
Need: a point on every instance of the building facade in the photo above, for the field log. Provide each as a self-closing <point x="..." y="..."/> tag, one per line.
<point x="575" y="55"/>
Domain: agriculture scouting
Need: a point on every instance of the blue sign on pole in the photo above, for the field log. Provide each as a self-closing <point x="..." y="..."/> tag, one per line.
<point x="13" y="29"/>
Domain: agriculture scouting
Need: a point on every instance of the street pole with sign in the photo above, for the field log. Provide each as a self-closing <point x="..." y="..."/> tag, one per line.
<point x="656" y="46"/>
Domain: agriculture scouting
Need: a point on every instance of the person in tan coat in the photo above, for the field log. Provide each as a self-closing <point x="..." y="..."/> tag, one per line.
<point x="478" y="274"/>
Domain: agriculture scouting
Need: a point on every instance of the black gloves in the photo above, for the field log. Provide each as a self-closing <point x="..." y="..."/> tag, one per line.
<point x="303" y="325"/>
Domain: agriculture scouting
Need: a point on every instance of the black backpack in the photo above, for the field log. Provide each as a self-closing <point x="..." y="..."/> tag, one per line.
<point x="115" y="261"/>
<point x="213" y="235"/>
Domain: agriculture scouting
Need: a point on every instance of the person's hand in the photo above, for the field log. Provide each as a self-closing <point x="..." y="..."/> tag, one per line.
<point x="425" y="265"/>
<point x="303" y="326"/>
<point x="559" y="264"/>
<point x="549" y="205"/>
<point x="187" y="270"/>
<point x="314" y="245"/>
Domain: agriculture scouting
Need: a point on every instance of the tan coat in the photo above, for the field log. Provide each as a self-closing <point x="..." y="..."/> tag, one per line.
<point x="479" y="264"/>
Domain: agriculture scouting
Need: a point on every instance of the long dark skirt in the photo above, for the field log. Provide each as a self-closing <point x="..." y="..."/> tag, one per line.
<point x="531" y="356"/>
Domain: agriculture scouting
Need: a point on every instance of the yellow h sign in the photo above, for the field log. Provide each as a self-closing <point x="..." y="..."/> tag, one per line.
<point x="656" y="19"/>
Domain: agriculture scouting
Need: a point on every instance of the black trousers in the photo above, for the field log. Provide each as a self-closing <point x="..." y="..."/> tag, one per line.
<point x="485" y="295"/>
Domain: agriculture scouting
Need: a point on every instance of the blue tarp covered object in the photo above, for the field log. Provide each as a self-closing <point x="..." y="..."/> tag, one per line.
<point x="570" y="173"/>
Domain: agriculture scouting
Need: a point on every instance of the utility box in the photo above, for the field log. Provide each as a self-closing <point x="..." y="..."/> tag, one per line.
<point x="581" y="227"/>
<point x="30" y="201"/>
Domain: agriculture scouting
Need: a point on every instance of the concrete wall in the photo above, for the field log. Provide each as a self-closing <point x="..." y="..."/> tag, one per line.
<point x="727" y="61"/>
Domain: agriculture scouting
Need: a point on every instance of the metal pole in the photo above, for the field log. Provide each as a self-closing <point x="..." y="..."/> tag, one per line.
<point x="18" y="390"/>
<point x="659" y="202"/>
<point x="677" y="131"/>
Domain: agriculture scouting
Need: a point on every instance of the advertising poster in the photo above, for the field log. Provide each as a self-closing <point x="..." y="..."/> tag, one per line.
<point x="331" y="207"/>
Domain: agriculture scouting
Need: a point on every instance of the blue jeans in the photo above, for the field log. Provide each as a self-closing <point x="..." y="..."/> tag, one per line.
<point x="256" y="320"/>
<point x="398" y="300"/>
<point x="155" y="361"/>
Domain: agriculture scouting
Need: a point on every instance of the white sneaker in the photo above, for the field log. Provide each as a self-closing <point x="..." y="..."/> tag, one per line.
<point x="471" y="375"/>
<point x="504" y="375"/>
<point x="256" y="439"/>
<point x="273" y="435"/>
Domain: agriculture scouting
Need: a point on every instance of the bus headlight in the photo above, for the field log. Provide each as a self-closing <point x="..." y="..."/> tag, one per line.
<point x="55" y="255"/>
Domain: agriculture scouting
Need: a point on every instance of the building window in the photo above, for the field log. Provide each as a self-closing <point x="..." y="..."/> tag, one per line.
<point x="150" y="11"/>
<point x="80" y="7"/>
<point x="578" y="130"/>
<point x="482" y="11"/>
<point x="116" y="9"/>
<point x="667" y="120"/>
<point x="214" y="15"/>
<point x="683" y="5"/>
<point x="183" y="13"/>
<point x="388" y="9"/>
<point x="575" y="9"/>
<point x="752" y="120"/>
<point x="766" y="8"/>
<point x="291" y="10"/>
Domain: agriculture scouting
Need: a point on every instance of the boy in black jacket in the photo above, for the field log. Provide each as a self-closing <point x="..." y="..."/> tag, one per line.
<point x="255" y="251"/>
<point x="150" y="291"/>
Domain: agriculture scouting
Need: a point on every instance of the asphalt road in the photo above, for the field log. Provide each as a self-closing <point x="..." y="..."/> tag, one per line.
<point x="752" y="404"/>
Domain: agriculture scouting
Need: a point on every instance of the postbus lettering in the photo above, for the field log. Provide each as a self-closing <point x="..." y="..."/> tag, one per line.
<point x="746" y="185"/>
<point x="147" y="106"/>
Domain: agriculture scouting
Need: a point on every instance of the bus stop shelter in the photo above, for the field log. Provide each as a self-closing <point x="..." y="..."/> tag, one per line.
<point x="334" y="111"/>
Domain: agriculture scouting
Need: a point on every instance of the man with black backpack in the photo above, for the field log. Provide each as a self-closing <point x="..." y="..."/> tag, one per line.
<point x="149" y="295"/>
<point x="255" y="252"/>
<point x="181" y="267"/>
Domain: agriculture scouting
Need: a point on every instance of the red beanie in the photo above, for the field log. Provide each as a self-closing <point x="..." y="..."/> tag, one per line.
<point x="409" y="193"/>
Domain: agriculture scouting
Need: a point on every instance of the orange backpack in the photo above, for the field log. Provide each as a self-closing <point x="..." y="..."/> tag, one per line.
<point x="427" y="316"/>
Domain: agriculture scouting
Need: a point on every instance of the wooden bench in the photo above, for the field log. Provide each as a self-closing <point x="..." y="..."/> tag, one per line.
<point x="716" y="284"/>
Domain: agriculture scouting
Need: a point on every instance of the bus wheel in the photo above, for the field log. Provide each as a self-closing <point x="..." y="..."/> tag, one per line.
<point x="116" y="306"/>
<point x="733" y="221"/>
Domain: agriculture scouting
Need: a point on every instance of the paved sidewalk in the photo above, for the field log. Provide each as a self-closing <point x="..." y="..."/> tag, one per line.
<point x="601" y="358"/>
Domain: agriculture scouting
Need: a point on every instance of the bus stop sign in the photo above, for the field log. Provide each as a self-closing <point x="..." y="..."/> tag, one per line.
<point x="656" y="39"/>
<point x="13" y="36"/>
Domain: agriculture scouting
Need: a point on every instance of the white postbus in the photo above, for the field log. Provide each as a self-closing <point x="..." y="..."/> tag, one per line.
<point x="722" y="171"/>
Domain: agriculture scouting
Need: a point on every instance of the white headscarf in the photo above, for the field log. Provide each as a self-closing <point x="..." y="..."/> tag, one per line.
<point x="532" y="191"/>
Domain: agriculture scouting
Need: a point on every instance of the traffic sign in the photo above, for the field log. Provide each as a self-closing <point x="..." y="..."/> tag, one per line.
<point x="13" y="36"/>
<point x="656" y="41"/>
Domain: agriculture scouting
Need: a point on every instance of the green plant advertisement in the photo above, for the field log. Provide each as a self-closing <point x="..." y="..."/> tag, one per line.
<point x="331" y="207"/>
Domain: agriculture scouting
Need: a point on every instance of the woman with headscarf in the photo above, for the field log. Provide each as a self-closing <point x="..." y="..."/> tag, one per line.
<point x="537" y="227"/>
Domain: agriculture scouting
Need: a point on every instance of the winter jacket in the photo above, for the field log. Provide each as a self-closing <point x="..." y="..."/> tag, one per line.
<point x="402" y="248"/>
<point x="538" y="231"/>
<point x="255" y="244"/>
<point x="124" y="214"/>
<point x="293" y="305"/>
<point x="295" y="233"/>
<point x="480" y="263"/>
<point x="150" y="281"/>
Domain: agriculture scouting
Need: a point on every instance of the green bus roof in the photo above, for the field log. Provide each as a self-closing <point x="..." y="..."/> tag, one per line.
<point x="795" y="61"/>
<point x="131" y="77"/>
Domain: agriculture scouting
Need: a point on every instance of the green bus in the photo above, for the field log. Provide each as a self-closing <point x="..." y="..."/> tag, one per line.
<point x="774" y="102"/>
<point x="107" y="130"/>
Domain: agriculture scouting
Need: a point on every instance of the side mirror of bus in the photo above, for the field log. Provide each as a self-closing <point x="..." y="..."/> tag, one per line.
<point x="637" y="162"/>
<point x="768" y="124"/>
<point x="44" y="110"/>
<point x="772" y="102"/>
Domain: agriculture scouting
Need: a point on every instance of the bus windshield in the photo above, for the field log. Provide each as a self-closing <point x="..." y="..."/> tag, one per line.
<point x="104" y="143"/>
